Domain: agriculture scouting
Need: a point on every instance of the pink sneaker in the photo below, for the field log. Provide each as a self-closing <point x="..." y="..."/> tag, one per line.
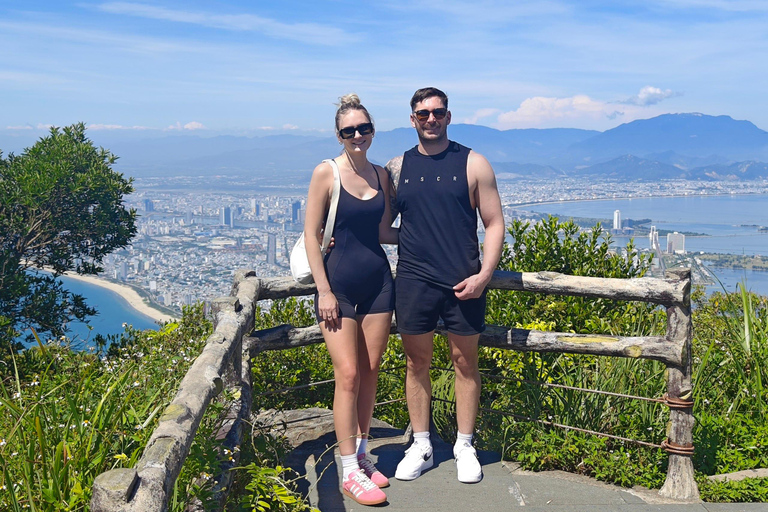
<point x="371" y="472"/>
<point x="360" y="488"/>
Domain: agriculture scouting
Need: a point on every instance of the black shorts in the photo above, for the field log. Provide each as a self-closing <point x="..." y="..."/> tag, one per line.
<point x="419" y="305"/>
<point x="377" y="296"/>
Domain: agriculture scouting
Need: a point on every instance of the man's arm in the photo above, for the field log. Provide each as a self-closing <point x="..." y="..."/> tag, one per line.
<point x="487" y="201"/>
<point x="393" y="167"/>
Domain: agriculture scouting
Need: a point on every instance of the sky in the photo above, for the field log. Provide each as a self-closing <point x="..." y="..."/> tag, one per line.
<point x="258" y="68"/>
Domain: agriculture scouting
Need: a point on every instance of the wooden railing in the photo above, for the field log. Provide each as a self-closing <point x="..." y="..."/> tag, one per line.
<point x="225" y="364"/>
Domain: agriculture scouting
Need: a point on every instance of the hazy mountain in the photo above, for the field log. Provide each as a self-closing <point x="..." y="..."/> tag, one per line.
<point x="630" y="167"/>
<point x="691" y="134"/>
<point x="513" y="170"/>
<point x="686" y="161"/>
<point x="735" y="171"/>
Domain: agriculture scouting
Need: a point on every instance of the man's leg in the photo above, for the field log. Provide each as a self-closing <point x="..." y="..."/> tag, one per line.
<point x="418" y="392"/>
<point x="464" y="357"/>
<point x="418" y="386"/>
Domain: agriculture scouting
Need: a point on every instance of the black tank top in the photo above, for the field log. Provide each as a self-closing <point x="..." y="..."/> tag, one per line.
<point x="357" y="254"/>
<point x="438" y="229"/>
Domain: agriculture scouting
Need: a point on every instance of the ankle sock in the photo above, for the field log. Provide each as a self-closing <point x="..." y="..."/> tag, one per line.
<point x="461" y="439"/>
<point x="348" y="465"/>
<point x="422" y="438"/>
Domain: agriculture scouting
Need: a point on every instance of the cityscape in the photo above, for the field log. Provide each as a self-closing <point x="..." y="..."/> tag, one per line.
<point x="192" y="237"/>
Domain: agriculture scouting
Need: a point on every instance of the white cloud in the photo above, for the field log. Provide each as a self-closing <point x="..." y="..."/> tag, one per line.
<point x="541" y="111"/>
<point x="290" y="127"/>
<point x="21" y="127"/>
<point x="44" y="126"/>
<point x="116" y="127"/>
<point x="480" y="114"/>
<point x="192" y="125"/>
<point x="649" y="95"/>
<point x="311" y="33"/>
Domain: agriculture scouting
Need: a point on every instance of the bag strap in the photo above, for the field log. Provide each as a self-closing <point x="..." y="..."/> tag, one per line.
<point x="331" y="220"/>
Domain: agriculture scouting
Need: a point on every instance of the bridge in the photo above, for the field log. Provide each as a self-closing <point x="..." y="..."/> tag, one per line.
<point x="225" y="363"/>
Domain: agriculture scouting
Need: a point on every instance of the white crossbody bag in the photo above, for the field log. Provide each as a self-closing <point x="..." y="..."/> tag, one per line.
<point x="299" y="263"/>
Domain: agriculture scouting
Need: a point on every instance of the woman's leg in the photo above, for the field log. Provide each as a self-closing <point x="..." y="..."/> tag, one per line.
<point x="343" y="347"/>
<point x="372" y="338"/>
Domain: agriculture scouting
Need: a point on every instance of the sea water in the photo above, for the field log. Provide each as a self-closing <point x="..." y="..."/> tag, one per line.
<point x="114" y="313"/>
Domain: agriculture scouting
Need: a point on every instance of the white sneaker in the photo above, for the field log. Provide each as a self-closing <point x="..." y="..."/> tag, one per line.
<point x="417" y="459"/>
<point x="467" y="466"/>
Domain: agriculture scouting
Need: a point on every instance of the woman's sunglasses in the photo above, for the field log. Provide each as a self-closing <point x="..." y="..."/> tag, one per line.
<point x="423" y="115"/>
<point x="349" y="131"/>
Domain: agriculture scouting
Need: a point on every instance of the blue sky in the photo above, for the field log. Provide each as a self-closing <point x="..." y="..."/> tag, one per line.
<point x="267" y="67"/>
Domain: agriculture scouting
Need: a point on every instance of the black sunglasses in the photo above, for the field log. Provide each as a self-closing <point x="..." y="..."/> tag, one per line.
<point x="423" y="115"/>
<point x="349" y="131"/>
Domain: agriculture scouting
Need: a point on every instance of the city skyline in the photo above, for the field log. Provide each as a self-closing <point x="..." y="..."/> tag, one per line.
<point x="240" y="68"/>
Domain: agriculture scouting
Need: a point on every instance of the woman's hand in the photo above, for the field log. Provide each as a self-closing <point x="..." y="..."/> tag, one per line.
<point x="328" y="307"/>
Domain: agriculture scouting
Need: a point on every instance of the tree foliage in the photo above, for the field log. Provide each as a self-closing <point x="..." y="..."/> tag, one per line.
<point x="556" y="246"/>
<point x="61" y="209"/>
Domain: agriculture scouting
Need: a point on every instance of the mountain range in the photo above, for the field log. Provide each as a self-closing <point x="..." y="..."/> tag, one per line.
<point x="690" y="146"/>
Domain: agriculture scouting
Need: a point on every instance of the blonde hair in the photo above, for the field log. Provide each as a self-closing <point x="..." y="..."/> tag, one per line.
<point x="347" y="103"/>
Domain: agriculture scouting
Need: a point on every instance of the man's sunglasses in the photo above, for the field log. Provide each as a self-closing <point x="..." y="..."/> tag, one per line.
<point x="423" y="115"/>
<point x="349" y="131"/>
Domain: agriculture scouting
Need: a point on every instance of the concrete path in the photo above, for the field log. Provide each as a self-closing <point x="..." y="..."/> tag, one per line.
<point x="504" y="487"/>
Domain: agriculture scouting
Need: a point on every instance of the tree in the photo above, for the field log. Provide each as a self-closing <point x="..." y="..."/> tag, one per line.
<point x="557" y="246"/>
<point x="61" y="209"/>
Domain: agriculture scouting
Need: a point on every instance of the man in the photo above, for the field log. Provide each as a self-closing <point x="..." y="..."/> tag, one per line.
<point x="441" y="187"/>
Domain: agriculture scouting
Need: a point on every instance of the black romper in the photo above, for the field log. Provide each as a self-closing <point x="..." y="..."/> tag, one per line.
<point x="357" y="267"/>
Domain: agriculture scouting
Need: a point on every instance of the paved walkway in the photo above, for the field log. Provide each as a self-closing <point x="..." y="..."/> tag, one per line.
<point x="504" y="487"/>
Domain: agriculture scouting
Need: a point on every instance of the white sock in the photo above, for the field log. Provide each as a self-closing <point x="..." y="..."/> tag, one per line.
<point x="362" y="445"/>
<point x="422" y="438"/>
<point x="348" y="465"/>
<point x="461" y="439"/>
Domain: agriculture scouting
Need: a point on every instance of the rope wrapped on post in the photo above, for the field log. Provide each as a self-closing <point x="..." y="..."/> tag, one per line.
<point x="677" y="449"/>
<point x="677" y="403"/>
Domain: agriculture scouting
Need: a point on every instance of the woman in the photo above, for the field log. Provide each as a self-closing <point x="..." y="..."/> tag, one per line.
<point x="355" y="292"/>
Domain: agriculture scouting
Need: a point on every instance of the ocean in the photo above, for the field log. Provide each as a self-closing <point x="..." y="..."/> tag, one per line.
<point x="113" y="312"/>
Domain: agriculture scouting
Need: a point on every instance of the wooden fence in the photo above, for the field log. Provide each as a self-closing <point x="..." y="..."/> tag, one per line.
<point x="225" y="364"/>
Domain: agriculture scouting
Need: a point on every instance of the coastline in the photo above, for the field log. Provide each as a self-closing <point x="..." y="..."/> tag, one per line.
<point x="126" y="292"/>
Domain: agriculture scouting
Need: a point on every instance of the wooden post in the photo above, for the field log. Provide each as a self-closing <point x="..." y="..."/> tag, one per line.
<point x="680" y="483"/>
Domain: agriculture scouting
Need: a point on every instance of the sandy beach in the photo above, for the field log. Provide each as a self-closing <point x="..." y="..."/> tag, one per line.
<point x="129" y="294"/>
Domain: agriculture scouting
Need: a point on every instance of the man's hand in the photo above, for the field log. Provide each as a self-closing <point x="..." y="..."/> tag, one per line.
<point x="470" y="288"/>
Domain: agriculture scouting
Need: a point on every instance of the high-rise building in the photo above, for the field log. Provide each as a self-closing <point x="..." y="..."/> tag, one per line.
<point x="272" y="249"/>
<point x="617" y="219"/>
<point x="295" y="209"/>
<point x="226" y="217"/>
<point x="255" y="207"/>
<point x="676" y="243"/>
<point x="149" y="206"/>
<point x="653" y="239"/>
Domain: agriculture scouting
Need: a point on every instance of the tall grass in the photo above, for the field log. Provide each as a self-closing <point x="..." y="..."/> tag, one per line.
<point x="67" y="416"/>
